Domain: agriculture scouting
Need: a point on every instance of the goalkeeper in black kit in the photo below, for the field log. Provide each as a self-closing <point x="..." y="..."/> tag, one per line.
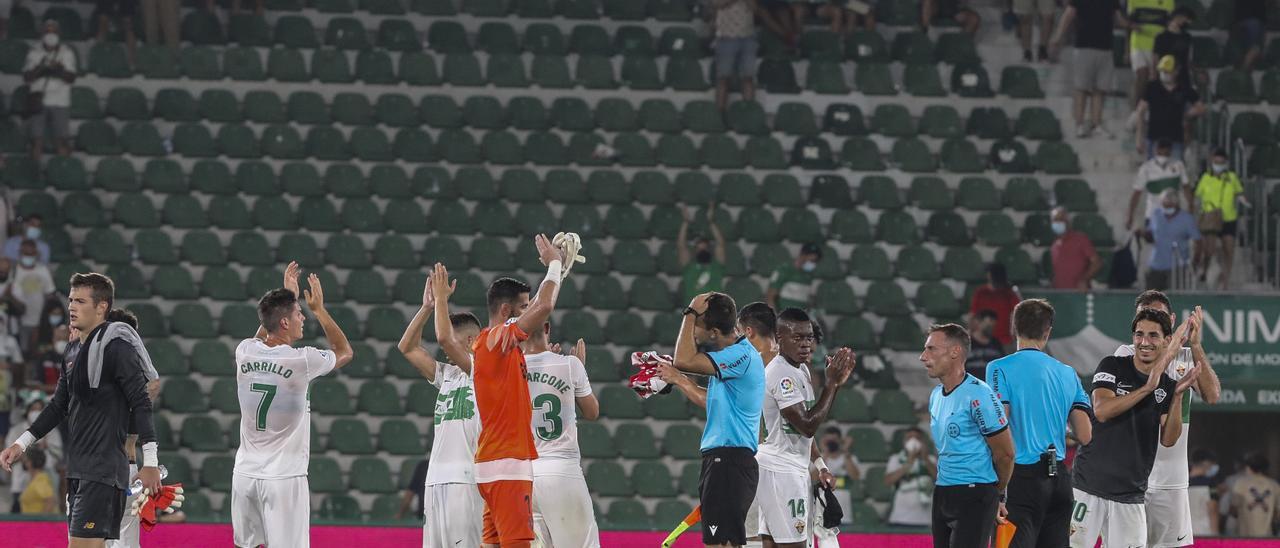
<point x="101" y="388"/>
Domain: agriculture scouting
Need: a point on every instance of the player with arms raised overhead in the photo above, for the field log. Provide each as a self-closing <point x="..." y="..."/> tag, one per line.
<point x="506" y="451"/>
<point x="562" y="513"/>
<point x="791" y="417"/>
<point x="270" y="497"/>
<point x="452" y="504"/>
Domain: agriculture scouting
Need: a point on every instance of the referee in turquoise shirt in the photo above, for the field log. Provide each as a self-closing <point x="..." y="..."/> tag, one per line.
<point x="975" y="450"/>
<point x="1041" y="395"/>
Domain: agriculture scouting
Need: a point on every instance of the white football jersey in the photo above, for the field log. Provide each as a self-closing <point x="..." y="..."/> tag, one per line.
<point x="784" y="449"/>
<point x="457" y="424"/>
<point x="555" y="383"/>
<point x="1170" y="469"/>
<point x="272" y="384"/>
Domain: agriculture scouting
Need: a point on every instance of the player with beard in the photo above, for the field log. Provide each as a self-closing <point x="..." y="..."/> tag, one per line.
<point x="1135" y="408"/>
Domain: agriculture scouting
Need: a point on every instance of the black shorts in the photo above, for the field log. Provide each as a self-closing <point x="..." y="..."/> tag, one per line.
<point x="94" y="509"/>
<point x="964" y="515"/>
<point x="118" y="8"/>
<point x="1228" y="228"/>
<point x="1040" y="506"/>
<point x="725" y="490"/>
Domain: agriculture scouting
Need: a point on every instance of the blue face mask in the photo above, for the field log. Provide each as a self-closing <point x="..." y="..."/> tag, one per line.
<point x="1170" y="211"/>
<point x="1059" y="227"/>
<point x="809" y="266"/>
<point x="55" y="320"/>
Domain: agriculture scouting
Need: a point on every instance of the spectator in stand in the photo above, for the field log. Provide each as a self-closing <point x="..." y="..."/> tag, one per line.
<point x="1172" y="230"/>
<point x="1202" y="494"/>
<point x="161" y="17"/>
<point x="414" y="490"/>
<point x="7" y="391"/>
<point x="791" y="286"/>
<point x="1250" y="29"/>
<point x="705" y="273"/>
<point x="1091" y="62"/>
<point x="50" y="69"/>
<point x="123" y="11"/>
<point x="911" y="472"/>
<point x="1161" y="172"/>
<point x="51" y="444"/>
<point x="999" y="297"/>
<point x="1169" y="105"/>
<point x="1148" y="19"/>
<point x="1255" y="499"/>
<point x="52" y="316"/>
<point x="949" y="11"/>
<point x="835" y="452"/>
<point x="38" y="497"/>
<point x="1176" y="41"/>
<point x="42" y="372"/>
<point x="32" y="284"/>
<point x="11" y="309"/>
<point x="861" y="13"/>
<point x="735" y="47"/>
<point x="1075" y="261"/>
<point x="984" y="348"/>
<point x="31" y="230"/>
<point x="1218" y="192"/>
<point x="1028" y="12"/>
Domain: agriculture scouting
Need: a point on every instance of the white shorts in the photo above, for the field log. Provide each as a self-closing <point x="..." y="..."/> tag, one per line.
<point x="565" y="517"/>
<point x="454" y="515"/>
<point x="752" y="524"/>
<point x="1168" y="518"/>
<point x="1142" y="59"/>
<point x="784" y="505"/>
<point x="275" y="512"/>
<point x="1119" y="524"/>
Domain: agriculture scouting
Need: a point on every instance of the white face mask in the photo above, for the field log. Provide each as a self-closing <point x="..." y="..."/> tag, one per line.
<point x="912" y="445"/>
<point x="1059" y="227"/>
<point x="1212" y="471"/>
<point x="809" y="266"/>
<point x="50" y="40"/>
<point x="1219" y="168"/>
<point x="27" y="261"/>
<point x="33" y="233"/>
<point x="1168" y="77"/>
<point x="1162" y="159"/>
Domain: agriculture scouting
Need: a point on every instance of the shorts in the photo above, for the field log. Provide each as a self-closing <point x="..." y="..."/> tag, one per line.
<point x="1252" y="32"/>
<point x="508" y="512"/>
<point x="275" y="512"/>
<point x="118" y="8"/>
<point x="752" y="523"/>
<point x="130" y="526"/>
<point x="94" y="510"/>
<point x="1033" y="7"/>
<point x="1228" y="228"/>
<point x="566" y="518"/>
<point x="454" y="515"/>
<point x="1118" y="523"/>
<point x="785" y="503"/>
<point x="726" y="488"/>
<point x="736" y="57"/>
<point x="964" y="515"/>
<point x="1168" y="518"/>
<point x="55" y="121"/>
<point x="1091" y="69"/>
<point x="1040" y="506"/>
<point x="1140" y="59"/>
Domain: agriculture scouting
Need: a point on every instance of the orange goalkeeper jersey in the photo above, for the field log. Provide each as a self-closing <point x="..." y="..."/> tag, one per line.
<point x="502" y="395"/>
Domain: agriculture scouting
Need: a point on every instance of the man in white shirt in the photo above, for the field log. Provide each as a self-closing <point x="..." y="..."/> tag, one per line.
<point x="270" y="497"/>
<point x="452" y="507"/>
<point x="563" y="516"/>
<point x="1162" y="172"/>
<point x="32" y="286"/>
<point x="50" y="70"/>
<point x="911" y="472"/>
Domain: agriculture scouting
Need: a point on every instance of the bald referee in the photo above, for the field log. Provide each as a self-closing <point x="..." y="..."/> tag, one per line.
<point x="1042" y="394"/>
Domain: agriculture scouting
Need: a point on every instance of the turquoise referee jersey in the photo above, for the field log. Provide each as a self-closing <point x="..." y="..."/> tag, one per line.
<point x="961" y="421"/>
<point x="1040" y="392"/>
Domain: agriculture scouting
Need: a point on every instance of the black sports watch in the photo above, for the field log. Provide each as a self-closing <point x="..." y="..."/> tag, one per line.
<point x="1004" y="497"/>
<point x="689" y="310"/>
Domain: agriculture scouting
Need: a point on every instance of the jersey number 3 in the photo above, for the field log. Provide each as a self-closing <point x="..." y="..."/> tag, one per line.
<point x="268" y="393"/>
<point x="552" y="425"/>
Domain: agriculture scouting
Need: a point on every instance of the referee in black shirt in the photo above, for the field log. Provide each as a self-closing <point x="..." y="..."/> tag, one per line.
<point x="98" y="392"/>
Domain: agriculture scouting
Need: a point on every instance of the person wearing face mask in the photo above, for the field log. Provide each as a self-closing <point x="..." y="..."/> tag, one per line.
<point x="1172" y="230"/>
<point x="1163" y="171"/>
<point x="11" y="308"/>
<point x="42" y="372"/>
<point x="49" y="71"/>
<point x="911" y="472"/>
<point x="19" y="477"/>
<point x="53" y="315"/>
<point x="702" y="264"/>
<point x="791" y="285"/>
<point x="1075" y="261"/>
<point x="984" y="348"/>
<point x="1202" y="492"/>
<point x="32" y="284"/>
<point x="30" y="231"/>
<point x="1175" y="41"/>
<point x="1218" y="191"/>
<point x="1169" y="105"/>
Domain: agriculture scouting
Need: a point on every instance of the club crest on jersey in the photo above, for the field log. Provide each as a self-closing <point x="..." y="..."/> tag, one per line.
<point x="800" y="526"/>
<point x="1160" y="395"/>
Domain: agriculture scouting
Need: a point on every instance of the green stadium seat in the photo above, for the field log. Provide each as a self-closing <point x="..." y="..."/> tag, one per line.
<point x="971" y="80"/>
<point x="997" y="230"/>
<point x="607" y="479"/>
<point x="1254" y="128"/>
<point x="346" y="33"/>
<point x="151" y="323"/>
<point x="661" y="116"/>
<point x="544" y="39"/>
<point x="385" y="324"/>
<point x="1096" y="228"/>
<point x="937" y="300"/>
<point x="132" y="284"/>
<point x="1235" y="86"/>
<point x="869" y="444"/>
<point x="236" y="320"/>
<point x="296" y="31"/>
<point x="960" y="155"/>
<point x="854" y="332"/>
<point x="462" y="69"/>
<point x="325" y="476"/>
<point x="923" y="80"/>
<point x="249" y="30"/>
<point x="636" y="441"/>
<point x="108" y="60"/>
<point x="851" y="406"/>
<point x="84" y="103"/>
<point x="893" y="121"/>
<point x="595" y="442"/>
<point x="874" y="79"/>
<point x="421" y="398"/>
<point x="1020" y="82"/>
<point x="181" y="395"/>
<point x="827" y="77"/>
<point x="912" y="47"/>
<point x="400" y="437"/>
<point x="371" y="475"/>
<point x="127" y="104"/>
<point x="930" y="193"/>
<point x="652" y="479"/>
<point x="1057" y="158"/>
<point x="374" y="67"/>
<point x="173" y="282"/>
<point x="1076" y="195"/>
<point x="1018" y="263"/>
<point x="955" y="48"/>
<point x="941" y="122"/>
<point x="1038" y="123"/>
<point x="913" y="156"/>
<point x="898" y="228"/>
<point x="947" y="228"/>
<point x="616" y="402"/>
<point x="418" y="69"/>
<point x="1025" y="194"/>
<point x="330" y="397"/>
<point x="215" y="470"/>
<point x="866" y="46"/>
<point x="917" y="264"/>
<point x="193" y="140"/>
<point x="223" y="398"/>
<point x="777" y="76"/>
<point x="141" y="139"/>
<point x="83" y="209"/>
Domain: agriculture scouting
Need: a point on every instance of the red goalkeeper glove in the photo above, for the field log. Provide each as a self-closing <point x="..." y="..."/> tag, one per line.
<point x="150" y="506"/>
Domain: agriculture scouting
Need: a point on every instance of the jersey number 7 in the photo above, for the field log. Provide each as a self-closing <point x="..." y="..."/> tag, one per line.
<point x="268" y="393"/>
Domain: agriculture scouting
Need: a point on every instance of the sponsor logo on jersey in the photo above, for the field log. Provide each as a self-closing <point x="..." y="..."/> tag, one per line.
<point x="713" y="528"/>
<point x="786" y="386"/>
<point x="1104" y="377"/>
<point x="975" y="404"/>
<point x="90" y="525"/>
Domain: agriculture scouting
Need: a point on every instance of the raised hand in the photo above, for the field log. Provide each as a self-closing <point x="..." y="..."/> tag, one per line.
<point x="699" y="303"/>
<point x="840" y="366"/>
<point x="579" y="351"/>
<point x="315" y="295"/>
<point x="291" y="273"/>
<point x="684" y="213"/>
<point x="547" y="251"/>
<point x="1197" y="332"/>
<point x="428" y="298"/>
<point x="441" y="287"/>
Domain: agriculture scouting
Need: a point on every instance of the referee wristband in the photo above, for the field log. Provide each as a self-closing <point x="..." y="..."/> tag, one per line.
<point x="149" y="455"/>
<point x="553" y="272"/>
<point x="25" y="440"/>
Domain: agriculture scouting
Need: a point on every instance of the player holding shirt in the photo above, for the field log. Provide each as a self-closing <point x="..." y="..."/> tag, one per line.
<point x="451" y="504"/>
<point x="505" y="452"/>
<point x="1167" y="500"/>
<point x="791" y="417"/>
<point x="270" y="497"/>
<point x="975" y="449"/>
<point x="562" y="513"/>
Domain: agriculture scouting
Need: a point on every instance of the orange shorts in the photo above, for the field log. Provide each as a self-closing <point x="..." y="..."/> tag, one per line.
<point x="508" y="513"/>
